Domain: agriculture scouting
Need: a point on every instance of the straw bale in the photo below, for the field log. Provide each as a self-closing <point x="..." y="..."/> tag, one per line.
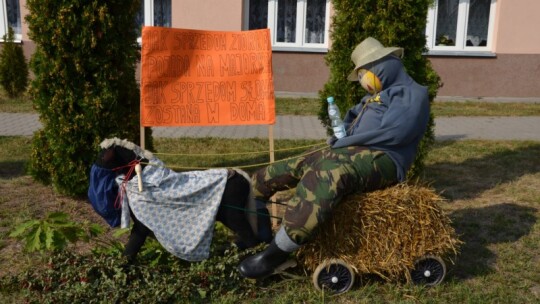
<point x="384" y="232"/>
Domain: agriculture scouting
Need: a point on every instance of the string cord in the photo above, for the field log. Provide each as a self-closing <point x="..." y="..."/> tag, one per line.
<point x="122" y="189"/>
<point x="240" y="167"/>
<point x="237" y="153"/>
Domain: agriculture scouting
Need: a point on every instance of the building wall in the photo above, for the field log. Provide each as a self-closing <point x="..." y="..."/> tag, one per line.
<point x="299" y="72"/>
<point x="217" y="15"/>
<point x="28" y="45"/>
<point x="517" y="27"/>
<point x="293" y="71"/>
<point x="507" y="75"/>
<point x="515" y="69"/>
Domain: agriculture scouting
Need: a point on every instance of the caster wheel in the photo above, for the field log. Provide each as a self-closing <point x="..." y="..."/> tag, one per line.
<point x="428" y="270"/>
<point x="333" y="275"/>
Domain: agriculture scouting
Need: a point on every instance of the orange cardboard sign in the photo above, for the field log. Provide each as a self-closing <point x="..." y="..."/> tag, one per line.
<point x="206" y="78"/>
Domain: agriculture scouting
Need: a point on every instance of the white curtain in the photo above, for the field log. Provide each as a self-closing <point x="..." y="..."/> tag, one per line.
<point x="258" y="14"/>
<point x="447" y="16"/>
<point x="14" y="15"/>
<point x="162" y="13"/>
<point x="286" y="21"/>
<point x="478" y="23"/>
<point x="315" y="17"/>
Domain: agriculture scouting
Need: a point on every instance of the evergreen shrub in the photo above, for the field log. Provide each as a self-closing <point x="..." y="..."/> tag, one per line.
<point x="84" y="88"/>
<point x="394" y="23"/>
<point x="13" y="66"/>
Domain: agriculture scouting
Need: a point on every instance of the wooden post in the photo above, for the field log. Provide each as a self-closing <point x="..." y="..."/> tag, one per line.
<point x="273" y="211"/>
<point x="142" y="137"/>
<point x="271" y="141"/>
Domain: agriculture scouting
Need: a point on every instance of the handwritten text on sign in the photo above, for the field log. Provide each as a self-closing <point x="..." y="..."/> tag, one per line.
<point x="193" y="77"/>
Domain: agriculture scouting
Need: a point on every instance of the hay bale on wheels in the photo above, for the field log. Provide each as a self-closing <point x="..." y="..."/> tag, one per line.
<point x="384" y="232"/>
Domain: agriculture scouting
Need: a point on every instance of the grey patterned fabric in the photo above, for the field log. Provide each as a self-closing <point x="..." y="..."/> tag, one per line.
<point x="179" y="208"/>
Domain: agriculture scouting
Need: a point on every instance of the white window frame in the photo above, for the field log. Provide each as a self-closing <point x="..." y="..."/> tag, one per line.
<point x="460" y="46"/>
<point x="148" y="16"/>
<point x="4" y="22"/>
<point x="299" y="45"/>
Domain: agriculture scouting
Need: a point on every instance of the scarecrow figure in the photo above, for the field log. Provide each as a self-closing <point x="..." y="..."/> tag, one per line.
<point x="178" y="208"/>
<point x="383" y="133"/>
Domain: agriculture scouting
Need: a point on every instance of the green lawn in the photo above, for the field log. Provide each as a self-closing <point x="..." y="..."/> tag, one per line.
<point x="492" y="191"/>
<point x="310" y="106"/>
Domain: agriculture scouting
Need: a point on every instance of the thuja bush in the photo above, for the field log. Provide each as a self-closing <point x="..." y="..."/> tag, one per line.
<point x="84" y="88"/>
<point x="394" y="23"/>
<point x="13" y="67"/>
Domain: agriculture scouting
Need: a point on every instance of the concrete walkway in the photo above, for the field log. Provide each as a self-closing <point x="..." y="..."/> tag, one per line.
<point x="309" y="127"/>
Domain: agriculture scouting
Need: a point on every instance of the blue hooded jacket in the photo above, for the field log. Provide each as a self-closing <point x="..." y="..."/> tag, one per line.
<point x="394" y="120"/>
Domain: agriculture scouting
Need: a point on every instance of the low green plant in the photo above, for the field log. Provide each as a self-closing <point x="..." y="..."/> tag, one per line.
<point x="105" y="277"/>
<point x="54" y="232"/>
<point x="13" y="66"/>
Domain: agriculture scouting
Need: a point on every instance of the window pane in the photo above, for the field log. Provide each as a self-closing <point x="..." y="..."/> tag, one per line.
<point x="258" y="14"/>
<point x="162" y="13"/>
<point x="315" y="17"/>
<point x="447" y="16"/>
<point x="139" y="19"/>
<point x="286" y="21"/>
<point x="14" y="15"/>
<point x="477" y="26"/>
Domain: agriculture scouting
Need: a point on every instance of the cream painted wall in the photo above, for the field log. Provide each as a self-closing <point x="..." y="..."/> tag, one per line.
<point x="218" y="15"/>
<point x="24" y="25"/>
<point x="517" y="29"/>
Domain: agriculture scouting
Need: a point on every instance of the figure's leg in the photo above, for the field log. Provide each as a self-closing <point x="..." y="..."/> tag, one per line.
<point x="139" y="233"/>
<point x="336" y="175"/>
<point x="322" y="186"/>
<point x="232" y="210"/>
<point x="278" y="176"/>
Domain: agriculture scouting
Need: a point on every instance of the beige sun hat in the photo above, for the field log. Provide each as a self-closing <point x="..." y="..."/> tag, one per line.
<point x="368" y="51"/>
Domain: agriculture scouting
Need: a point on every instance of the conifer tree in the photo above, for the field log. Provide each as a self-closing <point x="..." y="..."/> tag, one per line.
<point x="13" y="66"/>
<point x="84" y="88"/>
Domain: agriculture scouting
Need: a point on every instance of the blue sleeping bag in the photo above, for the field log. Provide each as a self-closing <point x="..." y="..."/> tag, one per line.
<point x="102" y="193"/>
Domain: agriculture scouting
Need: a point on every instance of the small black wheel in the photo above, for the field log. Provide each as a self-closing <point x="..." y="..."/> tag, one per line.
<point x="333" y="275"/>
<point x="428" y="270"/>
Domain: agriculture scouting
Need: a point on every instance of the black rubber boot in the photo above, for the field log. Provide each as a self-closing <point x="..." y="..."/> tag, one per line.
<point x="263" y="263"/>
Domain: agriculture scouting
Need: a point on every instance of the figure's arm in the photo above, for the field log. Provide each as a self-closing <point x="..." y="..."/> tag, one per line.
<point x="400" y="124"/>
<point x="350" y="116"/>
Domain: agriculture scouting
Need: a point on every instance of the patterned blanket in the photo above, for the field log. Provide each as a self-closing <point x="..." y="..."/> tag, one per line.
<point x="180" y="208"/>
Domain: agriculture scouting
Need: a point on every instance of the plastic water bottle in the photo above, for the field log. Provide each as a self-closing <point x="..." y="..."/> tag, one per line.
<point x="335" y="118"/>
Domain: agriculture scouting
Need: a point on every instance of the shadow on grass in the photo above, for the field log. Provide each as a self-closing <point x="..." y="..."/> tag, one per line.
<point x="12" y="169"/>
<point x="480" y="227"/>
<point x="475" y="175"/>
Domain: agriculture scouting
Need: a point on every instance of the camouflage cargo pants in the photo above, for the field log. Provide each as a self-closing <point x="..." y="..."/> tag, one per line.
<point x="321" y="180"/>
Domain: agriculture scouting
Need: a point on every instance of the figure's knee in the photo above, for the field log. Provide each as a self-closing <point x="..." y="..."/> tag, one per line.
<point x="302" y="220"/>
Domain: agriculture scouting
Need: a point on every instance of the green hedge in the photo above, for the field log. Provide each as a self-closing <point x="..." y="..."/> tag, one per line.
<point x="394" y="23"/>
<point x="84" y="88"/>
<point x="13" y="67"/>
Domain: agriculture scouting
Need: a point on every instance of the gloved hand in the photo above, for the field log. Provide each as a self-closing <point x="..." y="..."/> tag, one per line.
<point x="331" y="140"/>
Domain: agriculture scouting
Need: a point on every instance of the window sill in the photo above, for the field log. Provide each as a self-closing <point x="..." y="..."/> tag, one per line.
<point x="299" y="49"/>
<point x="461" y="54"/>
<point x="17" y="41"/>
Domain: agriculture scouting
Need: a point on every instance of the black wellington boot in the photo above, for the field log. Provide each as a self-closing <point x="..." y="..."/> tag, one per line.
<point x="263" y="263"/>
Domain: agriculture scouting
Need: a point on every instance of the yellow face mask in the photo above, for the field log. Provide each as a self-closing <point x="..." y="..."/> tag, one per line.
<point x="369" y="81"/>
